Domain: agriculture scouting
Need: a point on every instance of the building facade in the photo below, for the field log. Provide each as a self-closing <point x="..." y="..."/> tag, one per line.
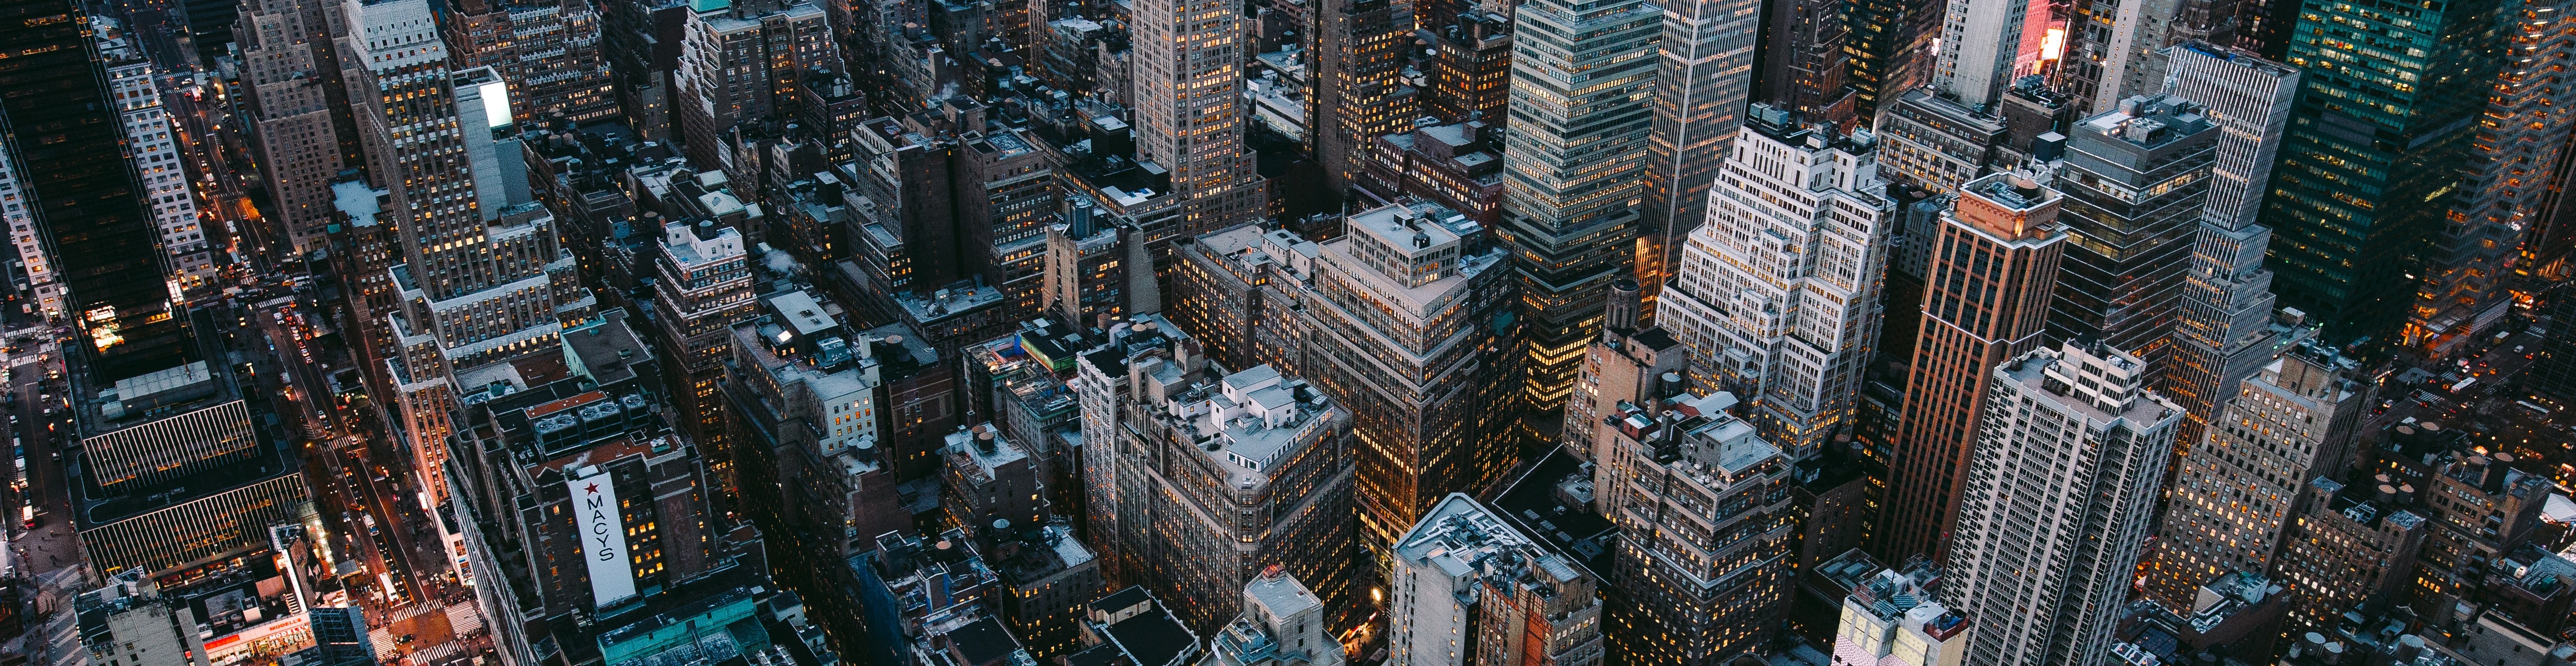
<point x="1706" y="557"/>
<point x="1704" y="76"/>
<point x="1778" y="294"/>
<point x="2136" y="179"/>
<point x="2059" y="493"/>
<point x="1469" y="588"/>
<point x="1995" y="262"/>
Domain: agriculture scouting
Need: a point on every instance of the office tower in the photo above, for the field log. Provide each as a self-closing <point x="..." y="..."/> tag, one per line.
<point x="1468" y="588"/>
<point x="2136" y="179"/>
<point x="2349" y="548"/>
<point x="2359" y="189"/>
<point x="704" y="273"/>
<point x="1706" y="555"/>
<point x="1572" y="175"/>
<point x="1981" y="49"/>
<point x="1802" y="64"/>
<point x="166" y="464"/>
<point x="1705" y="74"/>
<point x="739" y="65"/>
<point x="810" y="418"/>
<point x="1889" y="619"/>
<point x="1237" y="288"/>
<point x="1200" y="448"/>
<point x="1890" y="44"/>
<point x="2225" y="326"/>
<point x="2249" y="99"/>
<point x="1625" y="365"/>
<point x="2235" y="494"/>
<point x="1994" y="264"/>
<point x="1359" y="92"/>
<point x="2517" y="164"/>
<point x="339" y="637"/>
<point x="2060" y="488"/>
<point x="1282" y="623"/>
<point x="548" y="50"/>
<point x="1778" y="294"/>
<point x="1932" y="142"/>
<point x="287" y="78"/>
<point x="1188" y="109"/>
<point x="158" y="159"/>
<point x="482" y="279"/>
<point x="1471" y="69"/>
<point x="1403" y="333"/>
<point x="541" y="469"/>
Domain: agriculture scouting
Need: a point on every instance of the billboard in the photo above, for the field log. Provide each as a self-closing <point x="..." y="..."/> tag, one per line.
<point x="603" y="539"/>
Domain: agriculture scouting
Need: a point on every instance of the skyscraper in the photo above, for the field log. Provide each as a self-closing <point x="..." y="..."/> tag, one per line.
<point x="740" y="63"/>
<point x="1359" y="94"/>
<point x="1803" y="63"/>
<point x="1469" y="588"/>
<point x="1626" y="365"/>
<point x="2371" y="164"/>
<point x="1981" y="50"/>
<point x="156" y="151"/>
<point x="1994" y="264"/>
<point x="164" y="461"/>
<point x="1223" y="477"/>
<point x="1404" y="332"/>
<point x="548" y="50"/>
<point x="1583" y="77"/>
<point x="2518" y="158"/>
<point x="1778" y="294"/>
<point x="2059" y="491"/>
<point x="1705" y="76"/>
<point x="2136" y="179"/>
<point x="1706" y="555"/>
<point x="2228" y="507"/>
<point x="1188" y="62"/>
<point x="288" y="73"/>
<point x="1890" y="46"/>
<point x="482" y="279"/>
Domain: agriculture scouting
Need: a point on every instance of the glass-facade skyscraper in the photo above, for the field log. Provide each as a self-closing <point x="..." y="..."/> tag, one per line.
<point x="2373" y="158"/>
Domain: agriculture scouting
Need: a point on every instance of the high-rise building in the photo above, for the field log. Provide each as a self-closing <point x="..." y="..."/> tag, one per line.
<point x="2513" y="182"/>
<point x="130" y="623"/>
<point x="1802" y="63"/>
<point x="1188" y="57"/>
<point x="2225" y="328"/>
<point x="2060" y="488"/>
<point x="165" y="461"/>
<point x="705" y="278"/>
<point x="2479" y="509"/>
<point x="1890" y="45"/>
<point x="1778" y="294"/>
<point x="1471" y="69"/>
<point x="1706" y="556"/>
<point x="1705" y="75"/>
<point x="1625" y="365"/>
<point x="1891" y="619"/>
<point x="289" y="78"/>
<point x="1994" y="264"/>
<point x="1469" y="588"/>
<point x="1359" y="91"/>
<point x="2348" y="548"/>
<point x="1403" y="332"/>
<point x="1574" y="171"/>
<point x="2365" y="167"/>
<point x="740" y="64"/>
<point x="482" y="279"/>
<point x="548" y="50"/>
<point x="1982" y="49"/>
<point x="2136" y="179"/>
<point x="2117" y="50"/>
<point x="2233" y="498"/>
<point x="1935" y="143"/>
<point x="157" y="154"/>
<point x="1245" y="471"/>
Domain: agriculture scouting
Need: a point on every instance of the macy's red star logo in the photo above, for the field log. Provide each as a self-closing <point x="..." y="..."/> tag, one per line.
<point x="592" y="489"/>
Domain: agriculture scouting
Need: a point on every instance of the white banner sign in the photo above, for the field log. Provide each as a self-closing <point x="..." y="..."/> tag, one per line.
<point x="603" y="539"/>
